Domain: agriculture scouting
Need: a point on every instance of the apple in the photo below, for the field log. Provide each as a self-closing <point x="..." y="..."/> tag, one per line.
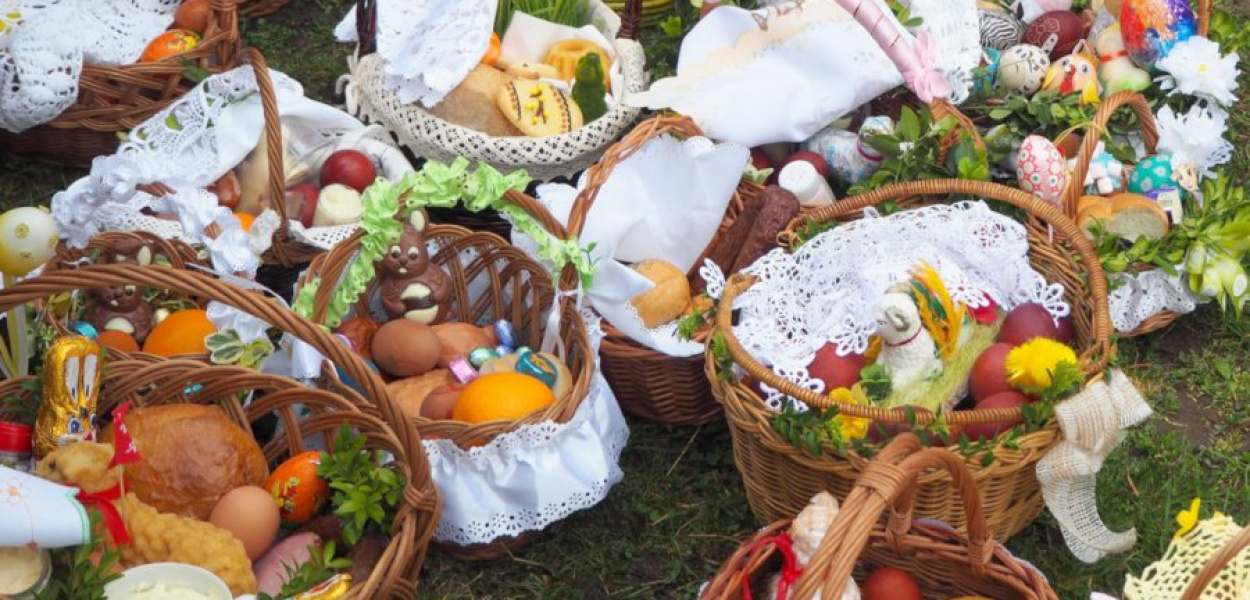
<point x="992" y="429"/>
<point x="836" y="371"/>
<point x="816" y="160"/>
<point x="1026" y="322"/>
<point x="989" y="375"/>
<point x="351" y="168"/>
<point x="305" y="195"/>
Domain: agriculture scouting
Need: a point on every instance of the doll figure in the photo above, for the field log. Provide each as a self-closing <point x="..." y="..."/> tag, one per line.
<point x="410" y="285"/>
<point x="121" y="309"/>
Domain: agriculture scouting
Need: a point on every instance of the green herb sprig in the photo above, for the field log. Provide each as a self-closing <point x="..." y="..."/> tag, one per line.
<point x="364" y="494"/>
<point x="75" y="576"/>
<point x="319" y="568"/>
<point x="911" y="153"/>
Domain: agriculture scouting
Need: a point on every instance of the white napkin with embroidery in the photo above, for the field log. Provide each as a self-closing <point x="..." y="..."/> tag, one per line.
<point x="37" y="511"/>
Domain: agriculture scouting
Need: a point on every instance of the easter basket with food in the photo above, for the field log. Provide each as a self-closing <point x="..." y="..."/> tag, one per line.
<point x="193" y="172"/>
<point x="182" y="474"/>
<point x="874" y="538"/>
<point x="880" y="324"/>
<point x="66" y="95"/>
<point x="487" y="358"/>
<point x="542" y="93"/>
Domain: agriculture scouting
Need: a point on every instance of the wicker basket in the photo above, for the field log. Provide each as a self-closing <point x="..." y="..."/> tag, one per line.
<point x="372" y="413"/>
<point x="518" y="289"/>
<point x="780" y="478"/>
<point x="260" y="8"/>
<point x="112" y="100"/>
<point x="1222" y="559"/>
<point x="874" y="528"/>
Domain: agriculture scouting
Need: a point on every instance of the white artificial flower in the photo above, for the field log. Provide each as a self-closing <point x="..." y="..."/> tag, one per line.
<point x="1196" y="137"/>
<point x="1195" y="67"/>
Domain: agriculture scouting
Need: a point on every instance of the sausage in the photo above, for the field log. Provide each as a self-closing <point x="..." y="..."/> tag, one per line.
<point x="778" y="208"/>
<point x="725" y="248"/>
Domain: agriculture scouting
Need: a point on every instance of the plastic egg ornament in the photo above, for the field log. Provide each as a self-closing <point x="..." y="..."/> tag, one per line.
<point x="27" y="239"/>
<point x="1022" y="68"/>
<point x="1000" y="29"/>
<point x="1152" y="174"/>
<point x="1040" y="169"/>
<point x="1151" y="28"/>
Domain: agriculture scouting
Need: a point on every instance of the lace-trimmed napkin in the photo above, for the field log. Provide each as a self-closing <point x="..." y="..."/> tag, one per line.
<point x="35" y="511"/>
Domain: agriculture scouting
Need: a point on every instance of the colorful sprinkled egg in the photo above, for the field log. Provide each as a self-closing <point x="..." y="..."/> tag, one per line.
<point x="1152" y="27"/>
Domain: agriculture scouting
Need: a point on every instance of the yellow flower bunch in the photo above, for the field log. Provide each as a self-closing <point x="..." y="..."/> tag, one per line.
<point x="851" y="428"/>
<point x="1034" y="363"/>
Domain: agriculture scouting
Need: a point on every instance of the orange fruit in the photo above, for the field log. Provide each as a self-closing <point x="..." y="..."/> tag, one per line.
<point x="492" y="51"/>
<point x="501" y="396"/>
<point x="118" y="340"/>
<point x="180" y="333"/>
<point x="297" y="488"/>
<point x="193" y="15"/>
<point x="170" y="43"/>
<point x="245" y="220"/>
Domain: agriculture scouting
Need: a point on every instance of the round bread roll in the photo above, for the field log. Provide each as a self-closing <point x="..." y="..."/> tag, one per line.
<point x="668" y="299"/>
<point x="192" y="456"/>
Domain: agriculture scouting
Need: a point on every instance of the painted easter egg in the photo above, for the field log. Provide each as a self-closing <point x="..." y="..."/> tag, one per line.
<point x="1000" y="29"/>
<point x="1153" y="173"/>
<point x="1021" y="68"/>
<point x="1057" y="32"/>
<point x="1152" y="27"/>
<point x="1040" y="168"/>
<point x="27" y="238"/>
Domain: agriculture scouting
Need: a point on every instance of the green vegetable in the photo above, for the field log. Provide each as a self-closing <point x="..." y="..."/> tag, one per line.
<point x="911" y="153"/>
<point x="364" y="493"/>
<point x="560" y="12"/>
<point x="589" y="89"/>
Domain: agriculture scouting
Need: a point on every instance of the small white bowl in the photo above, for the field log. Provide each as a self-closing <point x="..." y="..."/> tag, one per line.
<point x="191" y="577"/>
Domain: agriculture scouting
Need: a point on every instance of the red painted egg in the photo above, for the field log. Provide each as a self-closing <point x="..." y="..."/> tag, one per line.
<point x="1057" y="32"/>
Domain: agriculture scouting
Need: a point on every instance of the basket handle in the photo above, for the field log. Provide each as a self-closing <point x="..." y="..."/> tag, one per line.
<point x="1093" y="359"/>
<point x="631" y="21"/>
<point x="890" y="481"/>
<point x="1216" y="563"/>
<point x="273" y="146"/>
<point x="366" y="27"/>
<point x="1150" y="135"/>
<point x="225" y="15"/>
<point x="1204" y="16"/>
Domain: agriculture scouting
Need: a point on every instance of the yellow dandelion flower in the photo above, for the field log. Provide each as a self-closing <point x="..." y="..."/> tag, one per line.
<point x="852" y="428"/>
<point x="1188" y="519"/>
<point x="1033" y="363"/>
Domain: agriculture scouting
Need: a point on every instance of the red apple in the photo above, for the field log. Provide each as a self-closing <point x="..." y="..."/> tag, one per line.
<point x="307" y="195"/>
<point x="1026" y="322"/>
<point x="351" y="168"/>
<point x="992" y="429"/>
<point x="989" y="375"/>
<point x="816" y="160"/>
<point x="836" y="371"/>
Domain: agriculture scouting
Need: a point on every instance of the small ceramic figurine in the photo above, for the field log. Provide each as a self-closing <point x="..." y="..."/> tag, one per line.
<point x="1075" y="73"/>
<point x="410" y="285"/>
<point x="1105" y="174"/>
<point x="1117" y="72"/>
<point x="908" y="351"/>
<point x="121" y="309"/>
<point x="849" y="155"/>
<point x="806" y="532"/>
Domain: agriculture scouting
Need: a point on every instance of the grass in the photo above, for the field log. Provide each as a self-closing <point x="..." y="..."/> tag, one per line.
<point x="681" y="508"/>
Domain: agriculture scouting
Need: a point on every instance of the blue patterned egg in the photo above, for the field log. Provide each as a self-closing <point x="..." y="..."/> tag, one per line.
<point x="1153" y="173"/>
<point x="1151" y="28"/>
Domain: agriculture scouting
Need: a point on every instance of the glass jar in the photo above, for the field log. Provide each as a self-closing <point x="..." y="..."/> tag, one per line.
<point x="15" y="446"/>
<point x="19" y="564"/>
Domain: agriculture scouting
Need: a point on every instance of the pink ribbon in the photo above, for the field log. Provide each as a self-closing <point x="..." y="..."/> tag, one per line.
<point x="924" y="79"/>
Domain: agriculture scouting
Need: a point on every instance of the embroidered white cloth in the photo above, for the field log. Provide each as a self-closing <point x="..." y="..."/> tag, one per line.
<point x="829" y="290"/>
<point x="41" y="60"/>
<point x="1093" y="424"/>
<point x="36" y="511"/>
<point x="1139" y="296"/>
<point x="809" y="67"/>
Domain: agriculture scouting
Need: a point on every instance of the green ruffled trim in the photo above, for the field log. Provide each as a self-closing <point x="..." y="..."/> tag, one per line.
<point x="436" y="185"/>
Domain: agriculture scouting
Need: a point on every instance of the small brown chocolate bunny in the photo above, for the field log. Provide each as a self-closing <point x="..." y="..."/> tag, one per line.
<point x="128" y="250"/>
<point x="410" y="285"/>
<point x="120" y="309"/>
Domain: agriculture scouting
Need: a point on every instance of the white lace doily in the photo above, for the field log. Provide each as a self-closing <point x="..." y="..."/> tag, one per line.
<point x="42" y="52"/>
<point x="543" y="158"/>
<point x="1139" y="296"/>
<point x="1168" y="577"/>
<point x="829" y="289"/>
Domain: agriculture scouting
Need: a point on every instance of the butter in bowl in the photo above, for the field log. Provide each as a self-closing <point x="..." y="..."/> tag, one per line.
<point x="167" y="581"/>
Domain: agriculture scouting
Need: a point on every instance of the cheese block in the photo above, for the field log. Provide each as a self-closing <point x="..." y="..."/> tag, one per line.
<point x="538" y="109"/>
<point x="472" y="103"/>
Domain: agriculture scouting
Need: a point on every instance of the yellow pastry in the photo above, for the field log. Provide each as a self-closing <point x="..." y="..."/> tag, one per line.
<point x="563" y="55"/>
<point x="538" y="109"/>
<point x="527" y="70"/>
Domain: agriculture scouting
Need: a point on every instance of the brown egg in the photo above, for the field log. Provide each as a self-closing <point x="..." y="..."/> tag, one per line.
<point x="1008" y="399"/>
<point x="410" y="394"/>
<point x="251" y="514"/>
<point x="1026" y="322"/>
<point x="889" y="583"/>
<point x="439" y="403"/>
<point x="459" y="339"/>
<point x="989" y="376"/>
<point x="405" y="348"/>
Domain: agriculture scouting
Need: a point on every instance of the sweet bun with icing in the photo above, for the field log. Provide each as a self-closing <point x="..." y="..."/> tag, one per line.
<point x="565" y="54"/>
<point x="538" y="109"/>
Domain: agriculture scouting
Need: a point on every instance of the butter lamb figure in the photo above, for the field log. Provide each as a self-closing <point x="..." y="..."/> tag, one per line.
<point x="806" y="532"/>
<point x="411" y="286"/>
<point x="908" y="351"/>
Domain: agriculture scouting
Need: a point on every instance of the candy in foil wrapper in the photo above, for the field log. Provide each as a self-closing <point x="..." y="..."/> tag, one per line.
<point x="71" y="387"/>
<point x="334" y="588"/>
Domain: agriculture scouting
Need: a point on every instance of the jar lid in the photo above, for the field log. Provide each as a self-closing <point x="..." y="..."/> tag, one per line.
<point x="15" y="437"/>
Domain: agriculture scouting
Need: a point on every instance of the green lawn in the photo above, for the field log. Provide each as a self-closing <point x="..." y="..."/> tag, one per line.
<point x="681" y="509"/>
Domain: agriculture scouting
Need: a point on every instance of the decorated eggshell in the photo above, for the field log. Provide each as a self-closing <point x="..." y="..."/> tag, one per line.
<point x="1040" y="168"/>
<point x="1057" y="32"/>
<point x="1021" y="68"/>
<point x="1000" y="29"/>
<point x="1074" y="74"/>
<point x="1152" y="27"/>
<point x="1153" y="173"/>
<point x="27" y="238"/>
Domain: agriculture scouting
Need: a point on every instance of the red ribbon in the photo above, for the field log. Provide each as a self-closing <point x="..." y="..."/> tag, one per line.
<point x="112" y="519"/>
<point x="790" y="569"/>
<point x="1118" y="54"/>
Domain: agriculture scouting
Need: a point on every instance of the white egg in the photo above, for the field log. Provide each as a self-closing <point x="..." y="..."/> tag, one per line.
<point x="1022" y="67"/>
<point x="1040" y="169"/>
<point x="27" y="239"/>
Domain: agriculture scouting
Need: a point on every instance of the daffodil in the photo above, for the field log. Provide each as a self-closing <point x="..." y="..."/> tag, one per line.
<point x="1188" y="519"/>
<point x="850" y="428"/>
<point x="1032" y="365"/>
<point x="1195" y="67"/>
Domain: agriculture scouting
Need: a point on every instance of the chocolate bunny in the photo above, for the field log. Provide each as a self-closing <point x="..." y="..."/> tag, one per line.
<point x="130" y="251"/>
<point x="409" y="284"/>
<point x="120" y="309"/>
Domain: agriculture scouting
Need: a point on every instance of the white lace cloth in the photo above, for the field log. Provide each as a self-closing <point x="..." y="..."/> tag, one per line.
<point x="828" y="291"/>
<point x="42" y="52"/>
<point x="190" y="144"/>
<point x="809" y="67"/>
<point x="1139" y="296"/>
<point x="1168" y="577"/>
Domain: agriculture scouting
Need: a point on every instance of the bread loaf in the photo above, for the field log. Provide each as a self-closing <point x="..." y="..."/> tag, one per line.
<point x="668" y="299"/>
<point x="472" y="103"/>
